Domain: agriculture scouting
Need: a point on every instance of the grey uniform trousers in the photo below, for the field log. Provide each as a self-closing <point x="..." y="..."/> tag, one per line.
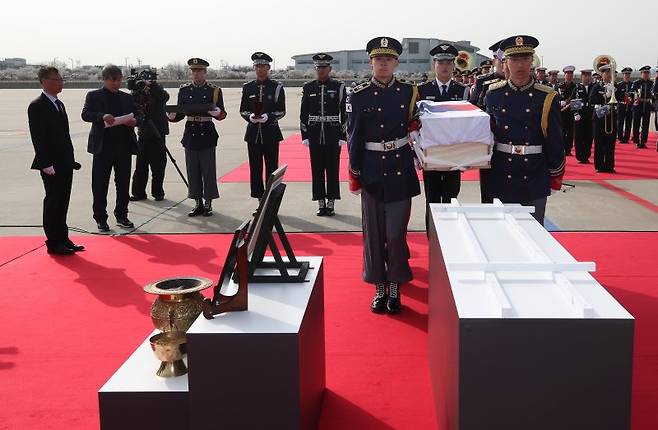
<point x="385" y="250"/>
<point x="201" y="173"/>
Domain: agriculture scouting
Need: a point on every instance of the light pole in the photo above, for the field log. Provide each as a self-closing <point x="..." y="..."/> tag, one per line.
<point x="72" y="66"/>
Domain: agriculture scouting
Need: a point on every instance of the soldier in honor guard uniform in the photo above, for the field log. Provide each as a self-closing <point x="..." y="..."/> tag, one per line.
<point x="380" y="112"/>
<point x="605" y="122"/>
<point x="485" y="67"/>
<point x="528" y="160"/>
<point x="567" y="92"/>
<point x="441" y="187"/>
<point x="552" y="79"/>
<point x="478" y="98"/>
<point x="625" y="97"/>
<point x="323" y="126"/>
<point x="583" y="130"/>
<point x="541" y="75"/>
<point x="642" y="107"/>
<point x="200" y="136"/>
<point x="263" y="104"/>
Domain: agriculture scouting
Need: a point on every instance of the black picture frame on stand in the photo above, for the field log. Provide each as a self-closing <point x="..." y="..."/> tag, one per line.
<point x="284" y="268"/>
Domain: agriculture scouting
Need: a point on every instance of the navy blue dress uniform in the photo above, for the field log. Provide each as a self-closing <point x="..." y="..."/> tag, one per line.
<point x="605" y="125"/>
<point x="323" y="124"/>
<point x="200" y="139"/>
<point x="441" y="187"/>
<point x="382" y="166"/>
<point x="553" y="80"/>
<point x="642" y="107"/>
<point x="625" y="97"/>
<point x="529" y="152"/>
<point x="478" y="98"/>
<point x="266" y="99"/>
<point x="584" y="128"/>
<point x="567" y="92"/>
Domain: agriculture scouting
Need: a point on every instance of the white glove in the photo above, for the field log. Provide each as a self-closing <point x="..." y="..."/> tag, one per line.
<point x="414" y="136"/>
<point x="171" y="116"/>
<point x="215" y="112"/>
<point x="252" y="118"/>
<point x="563" y="103"/>
<point x="342" y="142"/>
<point x="305" y="142"/>
<point x="577" y="117"/>
<point x="50" y="170"/>
<point x="263" y="118"/>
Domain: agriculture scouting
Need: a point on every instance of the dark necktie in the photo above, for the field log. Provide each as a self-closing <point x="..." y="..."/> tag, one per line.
<point x="60" y="106"/>
<point x="444" y="88"/>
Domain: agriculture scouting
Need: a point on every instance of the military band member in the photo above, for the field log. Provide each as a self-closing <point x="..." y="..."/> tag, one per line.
<point x="323" y="127"/>
<point x="441" y="187"/>
<point x="596" y="78"/>
<point x="541" y="75"/>
<point x="552" y="79"/>
<point x="583" y="130"/>
<point x="528" y="160"/>
<point x="605" y="122"/>
<point x="478" y="98"/>
<point x="625" y="97"/>
<point x="567" y="92"/>
<point x="200" y="136"/>
<point x="485" y="67"/>
<point x="380" y="112"/>
<point x="458" y="77"/>
<point x="262" y="105"/>
<point x="642" y="107"/>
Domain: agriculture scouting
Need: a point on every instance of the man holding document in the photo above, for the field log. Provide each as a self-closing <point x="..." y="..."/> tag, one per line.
<point x="112" y="142"/>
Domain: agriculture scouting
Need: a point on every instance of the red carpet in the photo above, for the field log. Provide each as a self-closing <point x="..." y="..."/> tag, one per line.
<point x="630" y="163"/>
<point x="70" y="322"/>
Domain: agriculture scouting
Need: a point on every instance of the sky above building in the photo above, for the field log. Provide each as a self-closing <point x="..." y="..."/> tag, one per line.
<point x="166" y="31"/>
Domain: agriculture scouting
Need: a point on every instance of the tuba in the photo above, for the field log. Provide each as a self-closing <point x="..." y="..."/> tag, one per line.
<point x="464" y="61"/>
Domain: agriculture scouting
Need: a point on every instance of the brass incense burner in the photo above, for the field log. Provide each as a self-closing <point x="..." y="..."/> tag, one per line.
<point x="178" y="304"/>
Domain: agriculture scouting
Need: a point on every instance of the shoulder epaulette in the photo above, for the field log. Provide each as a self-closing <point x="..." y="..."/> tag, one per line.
<point x="211" y="85"/>
<point x="404" y="81"/>
<point x="544" y="88"/>
<point x="362" y="86"/>
<point x="186" y="84"/>
<point x="498" y="85"/>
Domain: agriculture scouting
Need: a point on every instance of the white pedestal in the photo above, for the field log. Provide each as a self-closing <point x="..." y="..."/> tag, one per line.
<point x="521" y="335"/>
<point x="261" y="368"/>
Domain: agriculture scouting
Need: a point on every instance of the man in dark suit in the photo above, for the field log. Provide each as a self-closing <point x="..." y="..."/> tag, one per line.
<point x="49" y="130"/>
<point x="112" y="145"/>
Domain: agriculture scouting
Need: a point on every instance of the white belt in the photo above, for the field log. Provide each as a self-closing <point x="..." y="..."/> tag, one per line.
<point x="518" y="149"/>
<point x="387" y="146"/>
<point x="326" y="118"/>
<point x="199" y="118"/>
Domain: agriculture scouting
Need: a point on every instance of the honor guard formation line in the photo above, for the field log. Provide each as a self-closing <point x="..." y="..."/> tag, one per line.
<point x="536" y="120"/>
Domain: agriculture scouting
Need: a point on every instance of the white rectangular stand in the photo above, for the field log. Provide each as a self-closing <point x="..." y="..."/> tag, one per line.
<point x="521" y="335"/>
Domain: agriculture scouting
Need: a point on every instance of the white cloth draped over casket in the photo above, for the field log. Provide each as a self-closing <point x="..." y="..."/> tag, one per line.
<point x="455" y="135"/>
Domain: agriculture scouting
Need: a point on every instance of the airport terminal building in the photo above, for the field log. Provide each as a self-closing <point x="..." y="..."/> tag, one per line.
<point x="414" y="59"/>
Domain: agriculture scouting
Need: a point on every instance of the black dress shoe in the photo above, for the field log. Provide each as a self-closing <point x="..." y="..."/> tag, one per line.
<point x="321" y="212"/>
<point x="198" y="209"/>
<point x="378" y="304"/>
<point x="73" y="247"/>
<point x="159" y="198"/>
<point x="125" y="222"/>
<point x="207" y="208"/>
<point x="59" y="249"/>
<point x="137" y="198"/>
<point x="330" y="212"/>
<point x="102" y="226"/>
<point x="393" y="305"/>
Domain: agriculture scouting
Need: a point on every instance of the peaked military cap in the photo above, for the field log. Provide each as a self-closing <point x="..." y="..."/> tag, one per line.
<point x="627" y="70"/>
<point x="586" y="71"/>
<point x="384" y="47"/>
<point x="519" y="45"/>
<point x="322" y="60"/>
<point x="553" y="72"/>
<point x="541" y="69"/>
<point x="645" y="69"/>
<point x="261" y="58"/>
<point x="569" y="69"/>
<point x="605" y="68"/>
<point x="197" y="63"/>
<point x="444" y="51"/>
<point x="486" y="63"/>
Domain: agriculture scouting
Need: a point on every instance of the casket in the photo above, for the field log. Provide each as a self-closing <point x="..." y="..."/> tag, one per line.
<point x="455" y="135"/>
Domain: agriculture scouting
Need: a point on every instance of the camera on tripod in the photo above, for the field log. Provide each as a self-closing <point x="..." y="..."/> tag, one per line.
<point x="137" y="81"/>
